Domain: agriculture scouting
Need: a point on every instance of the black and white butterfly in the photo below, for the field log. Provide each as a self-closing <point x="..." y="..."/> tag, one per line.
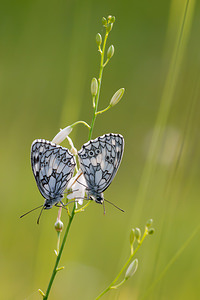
<point x="99" y="161"/>
<point x="53" y="166"/>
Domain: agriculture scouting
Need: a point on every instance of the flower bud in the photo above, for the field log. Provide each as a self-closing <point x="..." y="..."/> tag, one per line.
<point x="149" y="222"/>
<point x="132" y="236"/>
<point x="109" y="27"/>
<point x="137" y="233"/>
<point x="112" y="20"/>
<point x="104" y="21"/>
<point x="58" y="226"/>
<point x="132" y="268"/>
<point x="110" y="52"/>
<point x="41" y="293"/>
<point x="151" y="231"/>
<point x="98" y="39"/>
<point x="117" y="97"/>
<point x="109" y="18"/>
<point x="62" y="135"/>
<point x="94" y="86"/>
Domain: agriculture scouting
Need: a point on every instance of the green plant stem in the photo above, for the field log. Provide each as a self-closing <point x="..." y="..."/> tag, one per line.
<point x="99" y="86"/>
<point x="112" y="286"/>
<point x="55" y="270"/>
<point x="104" y="110"/>
<point x="81" y="122"/>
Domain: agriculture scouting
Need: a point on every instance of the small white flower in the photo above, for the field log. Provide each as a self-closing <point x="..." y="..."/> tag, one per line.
<point x="63" y="134"/>
<point x="78" y="186"/>
<point x="73" y="149"/>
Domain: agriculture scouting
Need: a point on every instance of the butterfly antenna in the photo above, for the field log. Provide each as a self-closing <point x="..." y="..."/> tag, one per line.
<point x="114" y="205"/>
<point x="104" y="209"/>
<point x="38" y="220"/>
<point x="30" y="211"/>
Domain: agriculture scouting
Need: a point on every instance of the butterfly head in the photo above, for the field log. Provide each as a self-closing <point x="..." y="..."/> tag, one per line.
<point x="49" y="203"/>
<point x="98" y="198"/>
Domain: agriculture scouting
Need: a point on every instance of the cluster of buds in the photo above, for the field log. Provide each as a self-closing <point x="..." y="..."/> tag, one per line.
<point x="135" y="235"/>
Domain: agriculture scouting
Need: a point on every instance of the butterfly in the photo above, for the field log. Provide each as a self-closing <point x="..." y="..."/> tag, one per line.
<point x="53" y="166"/>
<point x="99" y="161"/>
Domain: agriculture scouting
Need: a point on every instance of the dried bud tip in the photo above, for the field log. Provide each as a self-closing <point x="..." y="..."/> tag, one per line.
<point x="117" y="97"/>
<point x="94" y="86"/>
<point x="132" y="236"/>
<point x="98" y="39"/>
<point x="58" y="226"/>
<point x="110" y="52"/>
<point x="132" y="268"/>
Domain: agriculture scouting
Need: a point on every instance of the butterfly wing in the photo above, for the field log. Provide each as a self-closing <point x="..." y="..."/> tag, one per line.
<point x="100" y="159"/>
<point x="53" y="166"/>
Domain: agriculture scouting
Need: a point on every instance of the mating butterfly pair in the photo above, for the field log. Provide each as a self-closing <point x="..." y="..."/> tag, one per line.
<point x="53" y="166"/>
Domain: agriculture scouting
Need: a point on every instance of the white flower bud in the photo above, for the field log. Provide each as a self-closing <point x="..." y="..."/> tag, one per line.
<point x="110" y="51"/>
<point x="132" y="268"/>
<point x="58" y="225"/>
<point x="94" y="86"/>
<point x="117" y="97"/>
<point x="59" y="138"/>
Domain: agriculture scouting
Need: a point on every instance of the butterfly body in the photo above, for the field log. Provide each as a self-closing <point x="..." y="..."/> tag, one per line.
<point x="99" y="161"/>
<point x="53" y="167"/>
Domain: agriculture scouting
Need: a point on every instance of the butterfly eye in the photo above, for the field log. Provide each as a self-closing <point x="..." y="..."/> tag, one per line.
<point x="64" y="159"/>
<point x="69" y="164"/>
<point x="84" y="155"/>
<point x="91" y="153"/>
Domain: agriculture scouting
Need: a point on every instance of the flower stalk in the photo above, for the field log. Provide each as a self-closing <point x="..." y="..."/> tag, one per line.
<point x="131" y="267"/>
<point x="56" y="269"/>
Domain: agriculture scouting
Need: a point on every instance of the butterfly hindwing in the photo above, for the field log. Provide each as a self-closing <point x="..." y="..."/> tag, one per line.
<point x="53" y="167"/>
<point x="99" y="161"/>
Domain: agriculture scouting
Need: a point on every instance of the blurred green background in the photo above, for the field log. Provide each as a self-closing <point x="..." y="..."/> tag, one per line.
<point x="48" y="57"/>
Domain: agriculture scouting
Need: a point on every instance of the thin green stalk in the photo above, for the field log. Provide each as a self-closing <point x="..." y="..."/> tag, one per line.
<point x="112" y="286"/>
<point x="55" y="270"/>
<point x="99" y="86"/>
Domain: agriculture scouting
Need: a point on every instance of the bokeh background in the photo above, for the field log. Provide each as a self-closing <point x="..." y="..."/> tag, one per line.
<point x="47" y="60"/>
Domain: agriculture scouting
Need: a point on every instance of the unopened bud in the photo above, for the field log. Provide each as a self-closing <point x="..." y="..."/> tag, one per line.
<point x="110" y="51"/>
<point x="117" y="97"/>
<point x="41" y="292"/>
<point x="149" y="222"/>
<point x="58" y="226"/>
<point x="94" y="86"/>
<point x="104" y="21"/>
<point x="151" y="231"/>
<point x="98" y="39"/>
<point x="132" y="236"/>
<point x="132" y="268"/>
<point x="112" y="20"/>
<point x="109" y="27"/>
<point x="62" y="135"/>
<point x="137" y="233"/>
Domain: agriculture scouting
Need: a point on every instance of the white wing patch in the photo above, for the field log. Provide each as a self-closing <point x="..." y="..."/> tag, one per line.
<point x="53" y="167"/>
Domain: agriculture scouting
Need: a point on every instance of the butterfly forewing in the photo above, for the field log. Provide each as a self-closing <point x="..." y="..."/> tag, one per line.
<point x="99" y="161"/>
<point x="53" y="167"/>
